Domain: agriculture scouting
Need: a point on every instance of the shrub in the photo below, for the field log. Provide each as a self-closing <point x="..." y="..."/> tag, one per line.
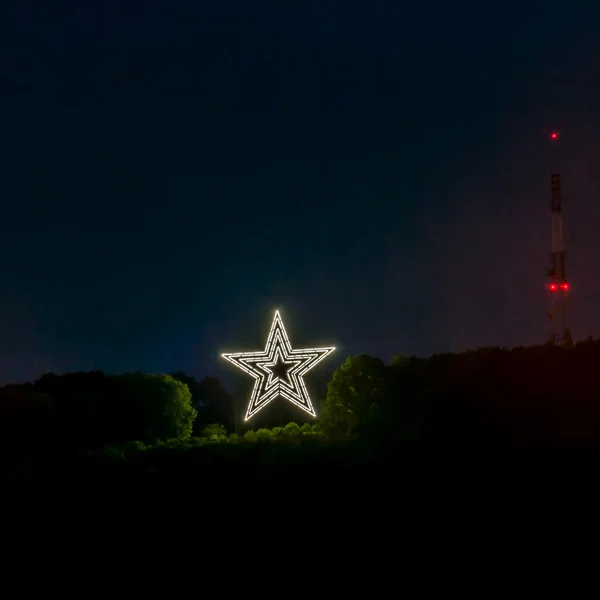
<point x="250" y="436"/>
<point x="264" y="435"/>
<point x="292" y="429"/>
<point x="215" y="432"/>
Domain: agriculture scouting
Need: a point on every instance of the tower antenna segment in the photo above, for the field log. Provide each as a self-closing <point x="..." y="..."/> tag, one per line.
<point x="557" y="285"/>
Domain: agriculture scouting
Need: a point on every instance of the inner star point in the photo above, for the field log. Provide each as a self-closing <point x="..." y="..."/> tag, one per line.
<point x="279" y="370"/>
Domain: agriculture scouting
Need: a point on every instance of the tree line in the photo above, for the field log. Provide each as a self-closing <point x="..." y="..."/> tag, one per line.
<point x="490" y="396"/>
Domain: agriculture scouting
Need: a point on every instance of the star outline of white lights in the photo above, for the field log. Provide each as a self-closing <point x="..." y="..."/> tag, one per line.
<point x="267" y="385"/>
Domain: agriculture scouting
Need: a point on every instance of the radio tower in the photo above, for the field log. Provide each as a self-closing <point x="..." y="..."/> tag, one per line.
<point x="558" y="286"/>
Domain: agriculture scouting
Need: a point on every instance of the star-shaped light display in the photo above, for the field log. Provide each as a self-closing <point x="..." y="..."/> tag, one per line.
<point x="278" y="370"/>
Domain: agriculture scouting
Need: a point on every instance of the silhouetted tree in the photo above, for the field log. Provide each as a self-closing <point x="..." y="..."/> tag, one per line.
<point x="164" y="405"/>
<point x="27" y="420"/>
<point x="193" y="386"/>
<point x="353" y="396"/>
<point x="218" y="404"/>
<point x="88" y="409"/>
<point x="212" y="401"/>
<point x="94" y="410"/>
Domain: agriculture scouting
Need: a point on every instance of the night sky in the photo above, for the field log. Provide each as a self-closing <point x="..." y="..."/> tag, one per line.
<point x="172" y="172"/>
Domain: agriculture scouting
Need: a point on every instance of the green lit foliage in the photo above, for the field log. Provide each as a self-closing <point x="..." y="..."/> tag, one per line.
<point x="250" y="436"/>
<point x="164" y="402"/>
<point x="215" y="432"/>
<point x="94" y="410"/>
<point x="399" y="361"/>
<point x="353" y="396"/>
<point x="486" y="396"/>
<point x="178" y="410"/>
<point x="292" y="430"/>
<point x="134" y="447"/>
<point x="291" y="433"/>
<point x="264" y="435"/>
<point x="212" y="401"/>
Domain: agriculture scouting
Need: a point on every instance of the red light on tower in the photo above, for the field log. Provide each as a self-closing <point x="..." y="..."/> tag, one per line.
<point x="552" y="287"/>
<point x="565" y="286"/>
<point x="554" y="135"/>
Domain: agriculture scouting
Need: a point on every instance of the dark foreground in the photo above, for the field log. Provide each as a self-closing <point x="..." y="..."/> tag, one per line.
<point x="354" y="472"/>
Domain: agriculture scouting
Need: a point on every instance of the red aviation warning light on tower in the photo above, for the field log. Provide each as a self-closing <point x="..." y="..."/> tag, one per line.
<point x="558" y="285"/>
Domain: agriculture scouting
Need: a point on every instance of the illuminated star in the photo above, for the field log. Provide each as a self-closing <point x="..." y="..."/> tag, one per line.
<point x="278" y="370"/>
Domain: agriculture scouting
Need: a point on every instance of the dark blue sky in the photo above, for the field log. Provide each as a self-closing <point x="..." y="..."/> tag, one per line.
<point x="171" y="172"/>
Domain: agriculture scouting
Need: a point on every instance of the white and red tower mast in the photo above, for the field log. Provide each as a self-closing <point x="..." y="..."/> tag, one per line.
<point x="558" y="285"/>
